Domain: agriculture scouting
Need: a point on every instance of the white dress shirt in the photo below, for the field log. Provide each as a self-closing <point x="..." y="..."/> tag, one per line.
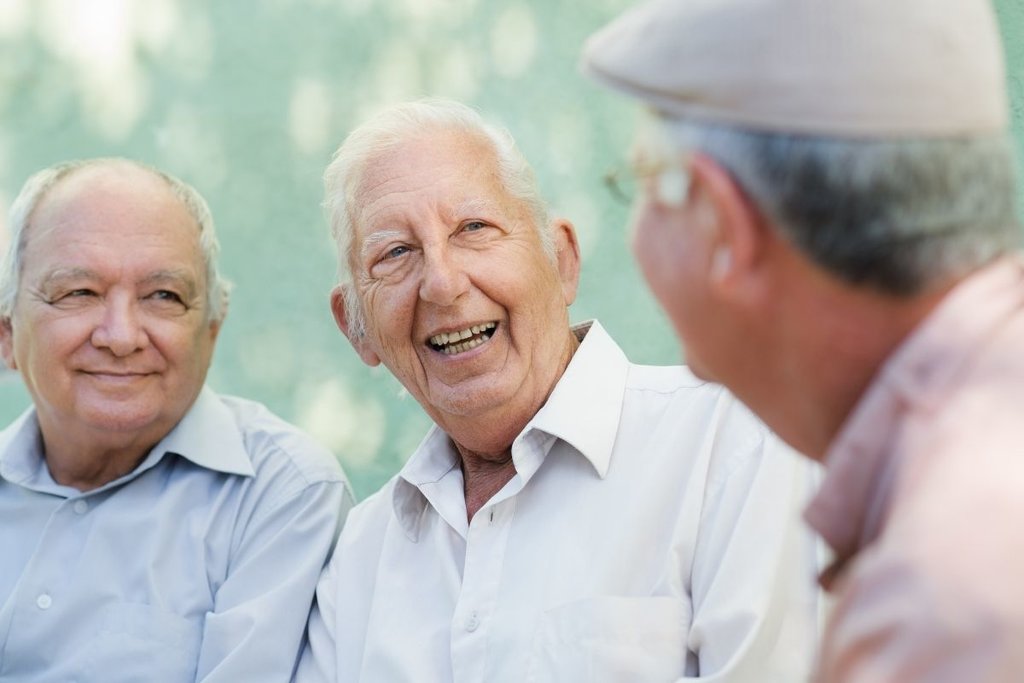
<point x="198" y="565"/>
<point x="651" y="533"/>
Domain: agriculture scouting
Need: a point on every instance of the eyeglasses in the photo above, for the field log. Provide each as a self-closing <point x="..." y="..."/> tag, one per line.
<point x="671" y="182"/>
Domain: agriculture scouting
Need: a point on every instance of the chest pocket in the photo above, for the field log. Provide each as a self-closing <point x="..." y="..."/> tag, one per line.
<point x="612" y="640"/>
<point x="135" y="642"/>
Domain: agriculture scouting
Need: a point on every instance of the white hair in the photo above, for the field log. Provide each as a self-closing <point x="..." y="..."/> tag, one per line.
<point x="38" y="185"/>
<point x="898" y="215"/>
<point x="391" y="128"/>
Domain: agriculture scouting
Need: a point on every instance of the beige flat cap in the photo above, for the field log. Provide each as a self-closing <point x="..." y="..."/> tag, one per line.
<point x="851" y="68"/>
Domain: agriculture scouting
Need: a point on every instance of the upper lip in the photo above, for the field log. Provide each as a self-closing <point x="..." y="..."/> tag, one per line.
<point x="116" y="373"/>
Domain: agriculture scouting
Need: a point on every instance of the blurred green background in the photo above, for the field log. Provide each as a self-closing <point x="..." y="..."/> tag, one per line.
<point x="247" y="100"/>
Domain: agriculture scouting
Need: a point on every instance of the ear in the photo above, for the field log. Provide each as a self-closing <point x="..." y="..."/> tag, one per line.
<point x="215" y="326"/>
<point x="341" y="317"/>
<point x="7" y="343"/>
<point x="737" y="236"/>
<point x="567" y="256"/>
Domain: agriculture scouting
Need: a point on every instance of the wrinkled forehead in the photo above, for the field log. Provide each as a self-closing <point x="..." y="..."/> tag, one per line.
<point x="426" y="151"/>
<point x="450" y="171"/>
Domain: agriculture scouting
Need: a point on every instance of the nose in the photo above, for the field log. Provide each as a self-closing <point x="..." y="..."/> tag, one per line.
<point x="121" y="330"/>
<point x="444" y="279"/>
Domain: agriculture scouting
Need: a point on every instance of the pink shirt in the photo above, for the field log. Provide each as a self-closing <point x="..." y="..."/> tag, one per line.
<point x="923" y="501"/>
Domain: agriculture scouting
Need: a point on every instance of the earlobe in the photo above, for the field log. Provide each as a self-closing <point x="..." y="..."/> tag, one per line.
<point x="721" y="263"/>
<point x="7" y="344"/>
<point x="215" y="326"/>
<point x="567" y="254"/>
<point x="339" y="308"/>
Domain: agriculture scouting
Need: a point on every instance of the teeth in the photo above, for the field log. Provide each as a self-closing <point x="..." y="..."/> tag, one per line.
<point x="459" y="348"/>
<point x="446" y="338"/>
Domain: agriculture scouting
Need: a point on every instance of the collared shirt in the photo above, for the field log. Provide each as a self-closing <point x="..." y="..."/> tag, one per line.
<point x="651" y="532"/>
<point x="198" y="565"/>
<point x="923" y="501"/>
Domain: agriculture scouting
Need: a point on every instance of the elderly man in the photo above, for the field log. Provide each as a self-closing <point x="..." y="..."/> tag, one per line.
<point x="570" y="516"/>
<point x="152" y="530"/>
<point x="829" y="223"/>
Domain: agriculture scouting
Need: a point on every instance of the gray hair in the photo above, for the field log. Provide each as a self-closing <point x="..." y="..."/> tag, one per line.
<point x="38" y="185"/>
<point x="898" y="215"/>
<point x="388" y="130"/>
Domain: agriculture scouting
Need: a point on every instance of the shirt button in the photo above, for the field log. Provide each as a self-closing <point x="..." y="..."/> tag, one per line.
<point x="80" y="507"/>
<point x="44" y="601"/>
<point x="472" y="622"/>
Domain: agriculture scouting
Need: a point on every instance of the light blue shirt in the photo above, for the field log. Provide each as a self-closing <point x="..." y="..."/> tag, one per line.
<point x="198" y="565"/>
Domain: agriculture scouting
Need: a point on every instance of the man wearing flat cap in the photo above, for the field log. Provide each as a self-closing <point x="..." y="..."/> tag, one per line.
<point x="571" y="516"/>
<point x="150" y="528"/>
<point x="828" y="219"/>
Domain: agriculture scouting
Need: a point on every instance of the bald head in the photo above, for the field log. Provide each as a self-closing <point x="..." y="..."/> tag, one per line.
<point x="106" y="175"/>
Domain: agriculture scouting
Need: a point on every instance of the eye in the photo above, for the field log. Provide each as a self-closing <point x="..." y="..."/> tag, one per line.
<point x="70" y="296"/>
<point x="395" y="252"/>
<point x="165" y="295"/>
<point x="473" y="226"/>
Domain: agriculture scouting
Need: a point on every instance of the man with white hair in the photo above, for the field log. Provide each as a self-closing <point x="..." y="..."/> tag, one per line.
<point x="571" y="516"/>
<point x="152" y="530"/>
<point x="829" y="222"/>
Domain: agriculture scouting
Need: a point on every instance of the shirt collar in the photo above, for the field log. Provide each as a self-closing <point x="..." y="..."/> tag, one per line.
<point x="849" y="507"/>
<point x="206" y="435"/>
<point x="584" y="407"/>
<point x="583" y="410"/>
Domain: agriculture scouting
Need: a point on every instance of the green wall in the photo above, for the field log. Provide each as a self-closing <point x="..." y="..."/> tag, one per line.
<point x="248" y="99"/>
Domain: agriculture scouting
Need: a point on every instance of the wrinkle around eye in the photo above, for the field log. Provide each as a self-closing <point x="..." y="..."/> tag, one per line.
<point x="477" y="230"/>
<point x="69" y="297"/>
<point x="166" y="295"/>
<point x="395" y="252"/>
<point x="392" y="260"/>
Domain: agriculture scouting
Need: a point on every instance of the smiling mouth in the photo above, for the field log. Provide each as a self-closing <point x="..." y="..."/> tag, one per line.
<point x="452" y="343"/>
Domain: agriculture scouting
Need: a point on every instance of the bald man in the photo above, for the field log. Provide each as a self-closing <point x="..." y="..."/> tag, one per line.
<point x="152" y="529"/>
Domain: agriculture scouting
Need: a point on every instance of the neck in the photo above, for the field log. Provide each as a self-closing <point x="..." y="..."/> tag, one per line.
<point x="89" y="467"/>
<point x="483" y="476"/>
<point x="826" y="347"/>
<point x="484" y="441"/>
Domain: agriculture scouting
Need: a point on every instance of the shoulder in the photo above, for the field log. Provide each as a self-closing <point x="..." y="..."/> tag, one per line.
<point x="674" y="394"/>
<point x="281" y="451"/>
<point x="955" y="605"/>
<point x="353" y="564"/>
<point x="368" y="521"/>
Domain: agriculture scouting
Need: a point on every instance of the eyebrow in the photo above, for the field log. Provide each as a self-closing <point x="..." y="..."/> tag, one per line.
<point x="62" y="274"/>
<point x="177" y="276"/>
<point x="371" y="241"/>
<point x="181" y="277"/>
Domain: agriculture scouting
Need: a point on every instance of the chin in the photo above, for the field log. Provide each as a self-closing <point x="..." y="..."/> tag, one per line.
<point x="121" y="421"/>
<point x="465" y="403"/>
<point x="700" y="370"/>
